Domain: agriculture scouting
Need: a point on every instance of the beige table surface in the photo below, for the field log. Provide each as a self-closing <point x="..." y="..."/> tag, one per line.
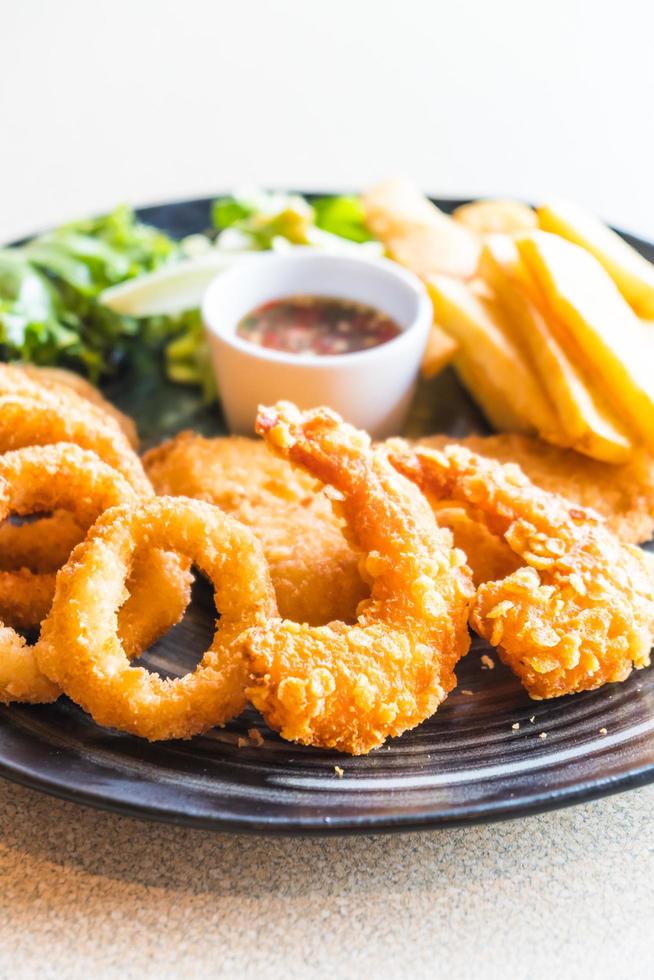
<point x="87" y="894"/>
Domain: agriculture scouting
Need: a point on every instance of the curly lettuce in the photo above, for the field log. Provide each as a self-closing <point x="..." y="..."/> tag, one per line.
<point x="49" y="313"/>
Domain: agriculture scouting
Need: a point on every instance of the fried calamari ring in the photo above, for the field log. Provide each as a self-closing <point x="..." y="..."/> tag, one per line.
<point x="45" y="418"/>
<point x="56" y="537"/>
<point x="44" y="478"/>
<point x="80" y="650"/>
<point x="35" y="479"/>
<point x="41" y="545"/>
<point x="25" y="598"/>
<point x="58" y="378"/>
<point x="22" y="380"/>
<point x="350" y="687"/>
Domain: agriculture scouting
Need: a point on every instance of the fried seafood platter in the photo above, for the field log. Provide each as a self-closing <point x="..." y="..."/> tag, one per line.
<point x="311" y="628"/>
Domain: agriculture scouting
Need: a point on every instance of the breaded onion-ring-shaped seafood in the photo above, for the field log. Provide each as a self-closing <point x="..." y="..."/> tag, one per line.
<point x="41" y="478"/>
<point x="350" y="687"/>
<point x="159" y="588"/>
<point x="44" y="419"/>
<point x="41" y="545"/>
<point x="58" y="378"/>
<point x="22" y="380"/>
<point x="80" y="650"/>
<point x="64" y="476"/>
<point x="56" y="537"/>
<point x="580" y="613"/>
<point x="34" y="480"/>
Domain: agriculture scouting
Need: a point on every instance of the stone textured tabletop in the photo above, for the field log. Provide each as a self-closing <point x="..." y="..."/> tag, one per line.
<point x="566" y="894"/>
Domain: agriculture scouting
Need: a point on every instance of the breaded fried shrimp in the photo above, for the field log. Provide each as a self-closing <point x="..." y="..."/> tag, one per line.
<point x="580" y="613"/>
<point x="350" y="687"/>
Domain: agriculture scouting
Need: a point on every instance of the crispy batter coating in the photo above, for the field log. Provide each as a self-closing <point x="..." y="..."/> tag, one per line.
<point x="487" y="554"/>
<point x="80" y="650"/>
<point x="623" y="493"/>
<point x="25" y="598"/>
<point x="41" y="545"/>
<point x="45" y="419"/>
<point x="37" y="479"/>
<point x="56" y="378"/>
<point x="350" y="687"/>
<point x="313" y="568"/>
<point x="580" y="613"/>
<point x="49" y="541"/>
<point x="34" y="413"/>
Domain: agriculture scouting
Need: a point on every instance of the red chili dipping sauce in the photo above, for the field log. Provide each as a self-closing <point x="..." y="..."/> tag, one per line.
<point x="318" y="325"/>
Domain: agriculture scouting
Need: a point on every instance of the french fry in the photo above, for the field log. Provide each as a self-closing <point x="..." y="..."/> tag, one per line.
<point x="416" y="234"/>
<point x="488" y="361"/>
<point x="632" y="274"/>
<point x="439" y="352"/>
<point x="586" y="423"/>
<point x="599" y="330"/>
<point x="495" y="215"/>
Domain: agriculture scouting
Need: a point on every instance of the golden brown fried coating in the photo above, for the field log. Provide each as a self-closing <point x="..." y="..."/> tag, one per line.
<point x="56" y="378"/>
<point x="580" y="613"/>
<point x="42" y="406"/>
<point x="351" y="687"/>
<point x="41" y="545"/>
<point x="313" y="568"/>
<point x="45" y="420"/>
<point x="623" y="493"/>
<point x="36" y="414"/>
<point x="42" y="478"/>
<point x="488" y="555"/>
<point x="81" y="651"/>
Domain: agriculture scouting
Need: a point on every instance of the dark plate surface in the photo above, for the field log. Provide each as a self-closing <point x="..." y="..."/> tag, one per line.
<point x="465" y="764"/>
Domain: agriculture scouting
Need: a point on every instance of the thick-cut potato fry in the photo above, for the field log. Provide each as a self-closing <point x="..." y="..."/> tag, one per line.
<point x="587" y="425"/>
<point x="487" y="217"/>
<point x="489" y="362"/>
<point x="632" y="274"/>
<point x="598" y="327"/>
<point x="440" y="350"/>
<point x="416" y="234"/>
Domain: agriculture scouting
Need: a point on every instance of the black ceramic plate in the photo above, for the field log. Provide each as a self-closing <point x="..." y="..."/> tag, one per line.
<point x="468" y="763"/>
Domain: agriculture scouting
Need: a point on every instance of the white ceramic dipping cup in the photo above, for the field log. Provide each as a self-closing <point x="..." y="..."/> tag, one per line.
<point x="372" y="388"/>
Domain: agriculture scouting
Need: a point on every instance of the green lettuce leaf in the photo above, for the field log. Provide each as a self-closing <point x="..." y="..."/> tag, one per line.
<point x="260" y="216"/>
<point x="49" y="312"/>
<point x="342" y="216"/>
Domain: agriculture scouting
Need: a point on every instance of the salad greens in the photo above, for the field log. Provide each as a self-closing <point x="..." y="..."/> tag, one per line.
<point x="342" y="216"/>
<point x="256" y="219"/>
<point x="49" y="312"/>
<point x="85" y="294"/>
